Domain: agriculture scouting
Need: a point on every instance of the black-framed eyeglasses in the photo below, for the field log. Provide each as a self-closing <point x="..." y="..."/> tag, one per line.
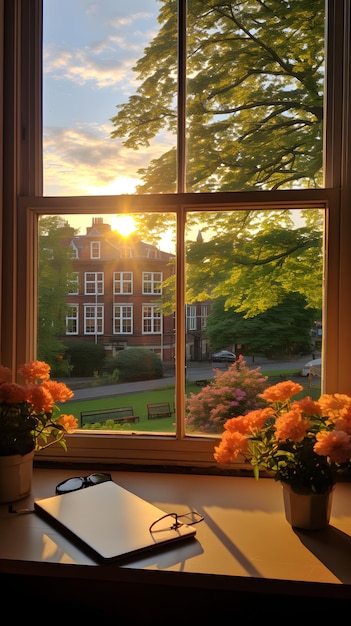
<point x="172" y="521"/>
<point x="81" y="482"/>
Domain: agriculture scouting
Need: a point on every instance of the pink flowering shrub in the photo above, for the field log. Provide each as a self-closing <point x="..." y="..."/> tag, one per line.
<point x="230" y="393"/>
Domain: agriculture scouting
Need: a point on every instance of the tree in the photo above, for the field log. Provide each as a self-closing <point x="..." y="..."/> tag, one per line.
<point x="254" y="121"/>
<point x="282" y="330"/>
<point x="54" y="276"/>
<point x="254" y="96"/>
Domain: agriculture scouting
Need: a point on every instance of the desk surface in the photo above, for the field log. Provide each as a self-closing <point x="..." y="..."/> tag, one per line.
<point x="244" y="541"/>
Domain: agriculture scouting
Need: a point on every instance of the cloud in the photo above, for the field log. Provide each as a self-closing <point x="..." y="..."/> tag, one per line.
<point x="85" y="161"/>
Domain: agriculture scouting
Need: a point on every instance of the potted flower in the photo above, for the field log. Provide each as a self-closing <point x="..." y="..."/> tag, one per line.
<point x="29" y="421"/>
<point x="305" y="443"/>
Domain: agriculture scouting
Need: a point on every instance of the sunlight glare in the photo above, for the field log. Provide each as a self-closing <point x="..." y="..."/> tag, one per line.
<point x="124" y="224"/>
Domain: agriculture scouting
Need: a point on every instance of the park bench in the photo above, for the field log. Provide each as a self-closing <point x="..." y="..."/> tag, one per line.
<point x="121" y="415"/>
<point x="158" y="410"/>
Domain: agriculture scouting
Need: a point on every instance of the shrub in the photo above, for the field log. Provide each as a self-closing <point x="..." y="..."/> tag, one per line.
<point x="136" y="364"/>
<point x="85" y="357"/>
<point x="230" y="393"/>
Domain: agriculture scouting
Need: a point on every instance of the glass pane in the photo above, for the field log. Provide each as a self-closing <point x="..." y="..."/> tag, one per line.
<point x="97" y="59"/>
<point x="254" y="309"/>
<point x="255" y="95"/>
<point x="106" y="322"/>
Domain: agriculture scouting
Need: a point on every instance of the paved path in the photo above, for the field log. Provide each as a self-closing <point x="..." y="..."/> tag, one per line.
<point x="195" y="371"/>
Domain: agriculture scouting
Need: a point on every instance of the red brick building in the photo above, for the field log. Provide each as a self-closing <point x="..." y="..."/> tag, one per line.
<point x="115" y="296"/>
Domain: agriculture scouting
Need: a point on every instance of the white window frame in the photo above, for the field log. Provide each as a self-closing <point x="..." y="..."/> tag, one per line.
<point x="25" y="203"/>
<point x="122" y="313"/>
<point x="191" y="317"/>
<point x="95" y="249"/>
<point x="94" y="317"/>
<point x="152" y="317"/>
<point x="93" y="283"/>
<point x="72" y="316"/>
<point x="123" y="280"/>
<point x="152" y="282"/>
<point x="74" y="281"/>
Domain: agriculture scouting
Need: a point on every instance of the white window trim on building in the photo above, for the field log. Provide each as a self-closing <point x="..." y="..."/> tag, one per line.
<point x="120" y="316"/>
<point x="72" y="317"/>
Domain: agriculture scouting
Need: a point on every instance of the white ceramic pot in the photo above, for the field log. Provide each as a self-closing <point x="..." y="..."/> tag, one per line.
<point x="15" y="476"/>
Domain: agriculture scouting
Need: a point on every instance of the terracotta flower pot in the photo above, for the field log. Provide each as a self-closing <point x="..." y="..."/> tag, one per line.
<point x="15" y="476"/>
<point x="307" y="511"/>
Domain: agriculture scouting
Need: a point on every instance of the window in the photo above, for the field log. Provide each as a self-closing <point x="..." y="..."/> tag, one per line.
<point x="122" y="283"/>
<point x="204" y="314"/>
<point x="152" y="282"/>
<point x="94" y="283"/>
<point x="95" y="249"/>
<point x="274" y="168"/>
<point x="72" y="320"/>
<point x="73" y="284"/>
<point x="93" y="319"/>
<point x="152" y="319"/>
<point x="122" y="319"/>
<point x="191" y="316"/>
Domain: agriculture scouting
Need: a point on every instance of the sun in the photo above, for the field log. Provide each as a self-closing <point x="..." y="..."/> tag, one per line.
<point x="124" y="224"/>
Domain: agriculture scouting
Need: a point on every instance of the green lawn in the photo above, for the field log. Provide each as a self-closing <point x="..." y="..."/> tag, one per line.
<point x="166" y="394"/>
<point x="138" y="401"/>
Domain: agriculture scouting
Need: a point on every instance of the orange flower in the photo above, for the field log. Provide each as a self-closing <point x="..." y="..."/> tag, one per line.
<point x="34" y="371"/>
<point x="40" y="398"/>
<point x="11" y="393"/>
<point x="69" y="422"/>
<point x="291" y="425"/>
<point x="308" y="406"/>
<point x="59" y="391"/>
<point x="335" y="444"/>
<point x="231" y="445"/>
<point x="5" y="374"/>
<point x="281" y="392"/>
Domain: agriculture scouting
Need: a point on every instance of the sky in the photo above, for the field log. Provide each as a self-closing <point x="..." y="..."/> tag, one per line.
<point x="90" y="47"/>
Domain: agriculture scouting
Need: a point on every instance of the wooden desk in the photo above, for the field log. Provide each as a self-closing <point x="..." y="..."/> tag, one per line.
<point x="244" y="550"/>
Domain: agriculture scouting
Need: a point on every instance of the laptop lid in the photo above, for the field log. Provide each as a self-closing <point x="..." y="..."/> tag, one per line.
<point x="110" y="521"/>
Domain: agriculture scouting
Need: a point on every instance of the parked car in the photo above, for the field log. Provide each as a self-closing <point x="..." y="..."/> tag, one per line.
<point x="317" y="366"/>
<point x="224" y="356"/>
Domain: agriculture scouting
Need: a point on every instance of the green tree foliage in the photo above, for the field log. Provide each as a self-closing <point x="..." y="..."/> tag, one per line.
<point x="255" y="260"/>
<point x="254" y="109"/>
<point x="283" y="330"/>
<point x="54" y="275"/>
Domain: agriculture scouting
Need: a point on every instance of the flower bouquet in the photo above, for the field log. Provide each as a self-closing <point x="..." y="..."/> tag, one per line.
<point x="306" y="443"/>
<point x="29" y="417"/>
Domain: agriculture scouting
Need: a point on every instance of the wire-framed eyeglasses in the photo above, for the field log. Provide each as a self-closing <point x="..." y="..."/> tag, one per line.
<point x="172" y="521"/>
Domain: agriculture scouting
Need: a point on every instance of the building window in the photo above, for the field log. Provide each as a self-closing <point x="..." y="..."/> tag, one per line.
<point x="122" y="319"/>
<point x="204" y="314"/>
<point x="152" y="283"/>
<point x="191" y="317"/>
<point x="93" y="319"/>
<point x="93" y="283"/>
<point x="73" y="284"/>
<point x="122" y="283"/>
<point x="152" y="320"/>
<point x="72" y="319"/>
<point x="95" y="249"/>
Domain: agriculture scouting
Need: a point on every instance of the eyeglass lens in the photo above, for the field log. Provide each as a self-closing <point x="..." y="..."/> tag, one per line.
<point x="173" y="521"/>
<point x="80" y="482"/>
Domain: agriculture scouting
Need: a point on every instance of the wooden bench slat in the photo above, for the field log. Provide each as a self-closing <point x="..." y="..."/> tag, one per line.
<point x="119" y="415"/>
<point x="158" y="410"/>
